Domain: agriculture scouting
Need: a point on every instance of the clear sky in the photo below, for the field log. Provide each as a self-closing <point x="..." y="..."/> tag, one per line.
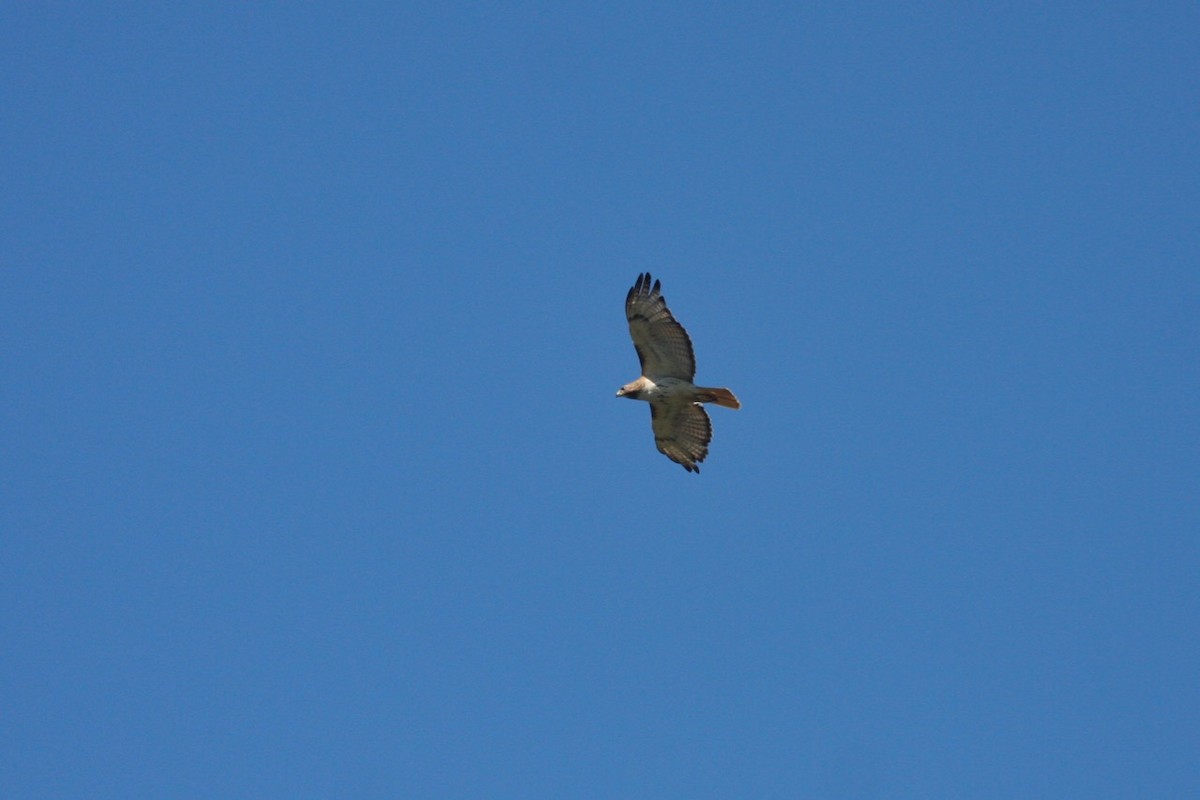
<point x="313" y="481"/>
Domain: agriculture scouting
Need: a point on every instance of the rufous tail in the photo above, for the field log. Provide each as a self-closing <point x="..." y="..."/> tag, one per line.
<point x="722" y="397"/>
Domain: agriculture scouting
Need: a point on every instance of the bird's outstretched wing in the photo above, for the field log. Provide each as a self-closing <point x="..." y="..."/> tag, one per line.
<point x="682" y="432"/>
<point x="662" y="345"/>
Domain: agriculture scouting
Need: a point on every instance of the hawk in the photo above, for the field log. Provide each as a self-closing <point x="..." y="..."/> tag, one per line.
<point x="682" y="430"/>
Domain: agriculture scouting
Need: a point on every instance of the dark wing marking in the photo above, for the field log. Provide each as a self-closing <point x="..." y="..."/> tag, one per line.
<point x="682" y="432"/>
<point x="663" y="346"/>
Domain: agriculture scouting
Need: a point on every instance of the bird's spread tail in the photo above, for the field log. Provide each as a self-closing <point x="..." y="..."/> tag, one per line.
<point x="722" y="397"/>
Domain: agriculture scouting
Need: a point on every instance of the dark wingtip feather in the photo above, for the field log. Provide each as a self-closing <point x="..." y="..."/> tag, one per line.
<point x="637" y="287"/>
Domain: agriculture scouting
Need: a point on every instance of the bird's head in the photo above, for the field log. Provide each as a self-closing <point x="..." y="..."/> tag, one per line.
<point x="629" y="390"/>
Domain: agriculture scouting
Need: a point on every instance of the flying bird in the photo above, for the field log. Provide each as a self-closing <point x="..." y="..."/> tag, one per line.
<point x="682" y="429"/>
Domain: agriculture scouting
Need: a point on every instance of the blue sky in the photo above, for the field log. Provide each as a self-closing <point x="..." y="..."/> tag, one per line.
<point x="314" y="483"/>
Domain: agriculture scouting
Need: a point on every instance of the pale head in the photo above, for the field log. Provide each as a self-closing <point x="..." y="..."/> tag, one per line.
<point x="632" y="390"/>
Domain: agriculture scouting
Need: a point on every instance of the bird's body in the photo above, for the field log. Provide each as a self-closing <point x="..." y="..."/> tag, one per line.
<point x="662" y="390"/>
<point x="682" y="430"/>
